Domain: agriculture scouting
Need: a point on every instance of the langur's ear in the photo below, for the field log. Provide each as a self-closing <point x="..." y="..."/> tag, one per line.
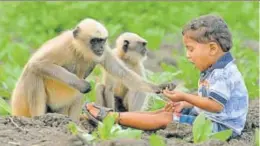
<point x="125" y="45"/>
<point x="76" y="32"/>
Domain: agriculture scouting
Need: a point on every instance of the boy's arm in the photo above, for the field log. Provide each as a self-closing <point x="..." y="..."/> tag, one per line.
<point x="186" y="104"/>
<point x="219" y="92"/>
<point x="204" y="103"/>
<point x="207" y="104"/>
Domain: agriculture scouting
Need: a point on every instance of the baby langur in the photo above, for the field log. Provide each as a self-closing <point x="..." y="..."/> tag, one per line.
<point x="131" y="49"/>
<point x="54" y="77"/>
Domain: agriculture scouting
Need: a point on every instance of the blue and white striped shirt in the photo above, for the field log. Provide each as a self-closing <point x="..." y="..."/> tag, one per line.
<point x="224" y="83"/>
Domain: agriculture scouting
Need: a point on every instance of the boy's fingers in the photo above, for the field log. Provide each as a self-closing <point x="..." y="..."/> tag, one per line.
<point x="167" y="104"/>
<point x="170" y="109"/>
<point x="173" y="108"/>
<point x="178" y="110"/>
<point x="167" y="108"/>
<point x="176" y="103"/>
<point x="166" y="93"/>
<point x="172" y="92"/>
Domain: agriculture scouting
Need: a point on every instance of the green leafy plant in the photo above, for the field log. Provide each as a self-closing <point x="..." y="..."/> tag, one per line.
<point x="162" y="77"/>
<point x="170" y="74"/>
<point x="250" y="73"/>
<point x="75" y="130"/>
<point x="202" y="130"/>
<point x="156" y="140"/>
<point x="106" y="130"/>
<point x="72" y="127"/>
<point x="154" y="102"/>
<point x="5" y="108"/>
<point x="109" y="130"/>
<point x="184" y="71"/>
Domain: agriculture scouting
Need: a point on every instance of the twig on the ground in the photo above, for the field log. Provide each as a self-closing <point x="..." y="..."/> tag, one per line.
<point x="12" y="120"/>
<point x="14" y="143"/>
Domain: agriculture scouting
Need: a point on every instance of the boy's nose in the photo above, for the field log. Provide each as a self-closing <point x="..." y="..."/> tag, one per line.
<point x="188" y="55"/>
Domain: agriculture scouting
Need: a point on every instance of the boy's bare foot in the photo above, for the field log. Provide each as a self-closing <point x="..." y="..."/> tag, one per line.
<point x="94" y="111"/>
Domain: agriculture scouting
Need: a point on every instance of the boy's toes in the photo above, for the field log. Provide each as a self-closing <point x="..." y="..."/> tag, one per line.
<point x="89" y="106"/>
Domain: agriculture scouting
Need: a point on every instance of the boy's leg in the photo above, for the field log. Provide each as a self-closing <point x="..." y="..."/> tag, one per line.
<point x="143" y="120"/>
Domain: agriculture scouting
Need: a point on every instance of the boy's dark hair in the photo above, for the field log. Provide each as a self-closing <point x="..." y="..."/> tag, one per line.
<point x="209" y="28"/>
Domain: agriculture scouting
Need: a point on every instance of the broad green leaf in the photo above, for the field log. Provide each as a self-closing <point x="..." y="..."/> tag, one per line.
<point x="116" y="128"/>
<point x="156" y="140"/>
<point x="72" y="127"/>
<point x="5" y="108"/>
<point x="206" y="130"/>
<point x="197" y="128"/>
<point x="4" y="93"/>
<point x="129" y="133"/>
<point x="222" y="135"/>
<point x="104" y="128"/>
<point x="155" y="103"/>
<point x="162" y="77"/>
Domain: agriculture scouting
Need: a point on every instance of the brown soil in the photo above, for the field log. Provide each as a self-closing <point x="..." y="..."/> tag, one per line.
<point x="51" y="129"/>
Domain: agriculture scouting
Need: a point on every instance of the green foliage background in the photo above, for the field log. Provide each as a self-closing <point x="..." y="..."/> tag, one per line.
<point x="24" y="26"/>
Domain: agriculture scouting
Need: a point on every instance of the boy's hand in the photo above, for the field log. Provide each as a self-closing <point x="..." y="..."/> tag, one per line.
<point x="179" y="106"/>
<point x="170" y="86"/>
<point x="174" y="107"/>
<point x="169" y="107"/>
<point x="174" y="96"/>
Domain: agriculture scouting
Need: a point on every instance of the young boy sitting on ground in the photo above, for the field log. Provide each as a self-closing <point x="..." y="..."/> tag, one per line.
<point x="222" y="94"/>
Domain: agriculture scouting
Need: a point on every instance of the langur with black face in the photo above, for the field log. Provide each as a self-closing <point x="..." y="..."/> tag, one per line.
<point x="54" y="77"/>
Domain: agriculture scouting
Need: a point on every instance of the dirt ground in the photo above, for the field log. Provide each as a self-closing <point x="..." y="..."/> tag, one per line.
<point x="51" y="129"/>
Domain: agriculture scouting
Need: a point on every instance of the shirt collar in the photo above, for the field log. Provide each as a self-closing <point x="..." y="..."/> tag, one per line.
<point x="221" y="63"/>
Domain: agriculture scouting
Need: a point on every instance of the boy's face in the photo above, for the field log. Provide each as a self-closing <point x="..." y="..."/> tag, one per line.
<point x="199" y="54"/>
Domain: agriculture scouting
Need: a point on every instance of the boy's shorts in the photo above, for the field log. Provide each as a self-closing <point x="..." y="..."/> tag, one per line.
<point x="188" y="115"/>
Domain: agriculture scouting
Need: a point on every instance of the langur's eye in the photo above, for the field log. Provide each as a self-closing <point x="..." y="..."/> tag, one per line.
<point x="97" y="40"/>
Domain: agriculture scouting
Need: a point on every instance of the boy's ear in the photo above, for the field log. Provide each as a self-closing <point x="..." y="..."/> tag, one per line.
<point x="214" y="48"/>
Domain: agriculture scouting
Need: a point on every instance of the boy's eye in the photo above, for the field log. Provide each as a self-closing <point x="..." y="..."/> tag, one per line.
<point x="190" y="49"/>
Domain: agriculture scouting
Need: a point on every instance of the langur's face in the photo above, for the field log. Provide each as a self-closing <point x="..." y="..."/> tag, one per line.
<point x="93" y="35"/>
<point x="98" y="45"/>
<point x="138" y="47"/>
<point x="133" y="46"/>
<point x="135" y="51"/>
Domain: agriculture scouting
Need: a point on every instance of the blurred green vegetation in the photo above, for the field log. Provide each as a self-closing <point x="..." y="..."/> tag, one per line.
<point x="24" y="26"/>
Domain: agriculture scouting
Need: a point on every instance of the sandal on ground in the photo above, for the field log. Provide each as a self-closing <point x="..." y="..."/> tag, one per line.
<point x="103" y="111"/>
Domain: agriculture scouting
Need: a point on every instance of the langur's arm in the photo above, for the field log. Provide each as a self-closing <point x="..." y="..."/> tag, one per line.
<point x="116" y="67"/>
<point x="59" y="73"/>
